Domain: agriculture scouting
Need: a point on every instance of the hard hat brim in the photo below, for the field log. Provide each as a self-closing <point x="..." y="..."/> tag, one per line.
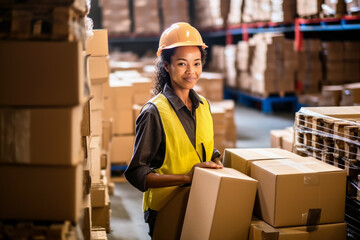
<point x="181" y="44"/>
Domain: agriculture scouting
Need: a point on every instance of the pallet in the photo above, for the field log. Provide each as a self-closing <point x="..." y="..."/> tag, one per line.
<point x="266" y="103"/>
<point x="25" y="22"/>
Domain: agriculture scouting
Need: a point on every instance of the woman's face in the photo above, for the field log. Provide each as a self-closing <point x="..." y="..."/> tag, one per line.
<point x="185" y="68"/>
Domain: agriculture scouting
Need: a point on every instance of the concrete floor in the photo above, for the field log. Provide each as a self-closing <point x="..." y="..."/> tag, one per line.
<point x="253" y="131"/>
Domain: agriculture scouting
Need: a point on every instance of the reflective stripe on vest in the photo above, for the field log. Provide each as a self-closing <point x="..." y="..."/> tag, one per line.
<point x="180" y="154"/>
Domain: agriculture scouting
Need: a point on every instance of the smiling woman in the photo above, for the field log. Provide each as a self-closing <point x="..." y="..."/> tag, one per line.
<point x="174" y="131"/>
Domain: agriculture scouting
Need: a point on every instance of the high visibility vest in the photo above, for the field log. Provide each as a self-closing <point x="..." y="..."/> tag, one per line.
<point x="180" y="154"/>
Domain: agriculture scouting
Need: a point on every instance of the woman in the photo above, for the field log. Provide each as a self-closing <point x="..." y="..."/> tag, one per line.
<point x="174" y="131"/>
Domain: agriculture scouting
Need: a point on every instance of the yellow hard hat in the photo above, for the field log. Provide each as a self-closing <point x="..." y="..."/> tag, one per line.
<point x="180" y="34"/>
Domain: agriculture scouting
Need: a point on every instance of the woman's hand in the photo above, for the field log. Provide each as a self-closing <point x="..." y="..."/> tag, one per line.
<point x="210" y="164"/>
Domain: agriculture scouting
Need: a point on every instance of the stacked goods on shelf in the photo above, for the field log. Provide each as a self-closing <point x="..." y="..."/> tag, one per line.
<point x="174" y="11"/>
<point x="211" y="86"/>
<point x="293" y="191"/>
<point x="44" y="87"/>
<point x="116" y="16"/>
<point x="320" y="8"/>
<point x="219" y="121"/>
<point x="283" y="11"/>
<point x="217" y="63"/>
<point x="258" y="10"/>
<point x="331" y="134"/>
<point x="273" y="67"/>
<point x="230" y="65"/>
<point x="210" y="13"/>
<point x="309" y="67"/>
<point x="235" y="12"/>
<point x="129" y="90"/>
<point x="98" y="157"/>
<point x="244" y="56"/>
<point x="339" y="61"/>
<point x="146" y="17"/>
<point x="229" y="121"/>
<point x="352" y="7"/>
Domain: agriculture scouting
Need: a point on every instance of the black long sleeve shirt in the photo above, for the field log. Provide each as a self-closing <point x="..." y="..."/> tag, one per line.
<point x="149" y="148"/>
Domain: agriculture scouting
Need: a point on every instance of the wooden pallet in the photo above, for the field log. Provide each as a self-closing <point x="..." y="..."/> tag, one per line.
<point x="42" y="23"/>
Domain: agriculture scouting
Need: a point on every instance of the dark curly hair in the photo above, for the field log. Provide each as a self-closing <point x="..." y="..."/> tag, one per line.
<point x="161" y="75"/>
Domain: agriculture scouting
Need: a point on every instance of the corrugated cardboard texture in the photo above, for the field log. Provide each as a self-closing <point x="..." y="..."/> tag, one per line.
<point x="290" y="191"/>
<point x="220" y="205"/>
<point x="41" y="192"/>
<point x="42" y="73"/>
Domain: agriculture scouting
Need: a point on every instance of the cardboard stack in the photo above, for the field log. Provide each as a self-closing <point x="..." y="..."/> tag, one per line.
<point x="248" y="11"/>
<point x="146" y="17"/>
<point x="245" y="54"/>
<point x="98" y="158"/>
<point x="129" y="91"/>
<point x="230" y="127"/>
<point x="352" y="7"/>
<point x="330" y="134"/>
<point x="219" y="121"/>
<point x="210" y="13"/>
<point x="262" y="11"/>
<point x="230" y="65"/>
<point x="309" y="67"/>
<point x="350" y="95"/>
<point x="331" y="8"/>
<point x="309" y="8"/>
<point x="282" y="138"/>
<point x="175" y="11"/>
<point x="293" y="191"/>
<point x="283" y="11"/>
<point x="235" y="12"/>
<point x="333" y="62"/>
<point x="43" y="88"/>
<point x="351" y="61"/>
<point x="116" y="16"/>
<point x="217" y="63"/>
<point x="211" y="86"/>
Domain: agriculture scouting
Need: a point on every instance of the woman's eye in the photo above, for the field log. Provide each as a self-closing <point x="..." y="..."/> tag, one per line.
<point x="197" y="64"/>
<point x="181" y="64"/>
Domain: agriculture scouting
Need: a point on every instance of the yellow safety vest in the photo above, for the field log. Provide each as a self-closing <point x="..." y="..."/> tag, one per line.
<point x="180" y="154"/>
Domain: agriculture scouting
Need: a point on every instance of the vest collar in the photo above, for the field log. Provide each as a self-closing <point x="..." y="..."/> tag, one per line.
<point x="176" y="102"/>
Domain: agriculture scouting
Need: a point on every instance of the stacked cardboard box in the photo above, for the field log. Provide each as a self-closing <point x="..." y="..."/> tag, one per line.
<point x="219" y="121"/>
<point x="235" y="12"/>
<point x="245" y="53"/>
<point x="283" y="11"/>
<point x="331" y="134"/>
<point x="230" y="127"/>
<point x="352" y="7"/>
<point x="44" y="86"/>
<point x="116" y="16"/>
<point x="129" y="90"/>
<point x="282" y="138"/>
<point x="98" y="157"/>
<point x="350" y="95"/>
<point x="309" y="8"/>
<point x="321" y="8"/>
<point x="309" y="67"/>
<point x="333" y="62"/>
<point x="217" y="63"/>
<point x="286" y="199"/>
<point x="230" y="65"/>
<point x="175" y="11"/>
<point x="351" y="61"/>
<point x="210" y="13"/>
<point x="146" y="17"/>
<point x="211" y="86"/>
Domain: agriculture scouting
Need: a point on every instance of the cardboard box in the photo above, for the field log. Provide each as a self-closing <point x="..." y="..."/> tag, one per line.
<point x="242" y="159"/>
<point x="121" y="96"/>
<point x="124" y="122"/>
<point x="170" y="218"/>
<point x="99" y="69"/>
<point x="122" y="148"/>
<point x="98" y="195"/>
<point x="260" y="230"/>
<point x="85" y="122"/>
<point x="85" y="219"/>
<point x="50" y="136"/>
<point x="101" y="215"/>
<point x="97" y="94"/>
<point x="98" y="234"/>
<point x="94" y="158"/>
<point x="42" y="73"/>
<point x="96" y="122"/>
<point x="221" y="200"/>
<point x="97" y="45"/>
<point x="29" y="192"/>
<point x="296" y="191"/>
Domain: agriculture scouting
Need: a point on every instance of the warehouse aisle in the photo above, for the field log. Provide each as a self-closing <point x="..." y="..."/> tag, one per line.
<point x="253" y="130"/>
